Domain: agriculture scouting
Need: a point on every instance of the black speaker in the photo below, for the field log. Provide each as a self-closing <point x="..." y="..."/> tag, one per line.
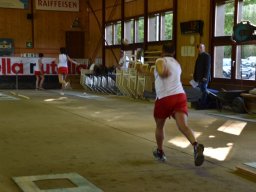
<point x="29" y="16"/>
<point x="189" y="27"/>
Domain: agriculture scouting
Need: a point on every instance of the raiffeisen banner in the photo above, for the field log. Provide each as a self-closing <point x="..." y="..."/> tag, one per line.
<point x="26" y="66"/>
<point x="58" y="5"/>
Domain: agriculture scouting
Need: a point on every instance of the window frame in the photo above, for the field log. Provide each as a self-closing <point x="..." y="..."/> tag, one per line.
<point x="227" y="41"/>
<point x="136" y="19"/>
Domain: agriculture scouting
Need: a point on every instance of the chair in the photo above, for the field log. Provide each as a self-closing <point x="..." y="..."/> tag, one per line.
<point x="144" y="71"/>
<point x="125" y="79"/>
<point x="124" y="82"/>
<point x="119" y="80"/>
<point x="149" y="82"/>
<point x="133" y="78"/>
<point x="86" y="78"/>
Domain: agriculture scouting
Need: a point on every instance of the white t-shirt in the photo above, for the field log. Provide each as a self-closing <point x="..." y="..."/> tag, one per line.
<point x="37" y="67"/>
<point x="170" y="85"/>
<point x="63" y="60"/>
<point x="124" y="62"/>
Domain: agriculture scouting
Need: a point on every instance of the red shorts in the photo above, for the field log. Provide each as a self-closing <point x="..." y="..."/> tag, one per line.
<point x="62" y="70"/>
<point x="38" y="73"/>
<point x="167" y="106"/>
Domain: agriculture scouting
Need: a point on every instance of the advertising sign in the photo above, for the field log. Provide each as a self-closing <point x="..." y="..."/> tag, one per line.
<point x="26" y="66"/>
<point x="18" y="4"/>
<point x="6" y="47"/>
<point x="58" y="5"/>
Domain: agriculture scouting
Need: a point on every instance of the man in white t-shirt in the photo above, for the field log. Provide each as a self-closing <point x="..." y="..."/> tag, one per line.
<point x="123" y="61"/>
<point x="171" y="101"/>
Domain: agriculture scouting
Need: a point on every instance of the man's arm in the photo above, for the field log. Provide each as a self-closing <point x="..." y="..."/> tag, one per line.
<point x="161" y="68"/>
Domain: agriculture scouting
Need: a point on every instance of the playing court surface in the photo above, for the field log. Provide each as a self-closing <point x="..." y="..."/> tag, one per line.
<point x="89" y="142"/>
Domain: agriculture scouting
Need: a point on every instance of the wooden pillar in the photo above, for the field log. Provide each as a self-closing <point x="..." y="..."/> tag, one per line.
<point x="145" y="24"/>
<point x="103" y="32"/>
<point x="122" y="23"/>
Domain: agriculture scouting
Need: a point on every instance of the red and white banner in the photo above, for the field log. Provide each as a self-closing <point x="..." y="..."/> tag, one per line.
<point x="58" y="5"/>
<point x="26" y="66"/>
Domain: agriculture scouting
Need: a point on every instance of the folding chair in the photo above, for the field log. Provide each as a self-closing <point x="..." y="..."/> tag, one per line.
<point x="86" y="78"/>
<point x="133" y="78"/>
<point x="144" y="71"/>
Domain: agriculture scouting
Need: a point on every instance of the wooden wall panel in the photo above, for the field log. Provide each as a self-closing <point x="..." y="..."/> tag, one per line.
<point x="97" y="4"/>
<point x="49" y="28"/>
<point x="113" y="10"/>
<point x="134" y="8"/>
<point x="94" y="43"/>
<point x="15" y="25"/>
<point x="159" y="5"/>
<point x="110" y="57"/>
<point x="201" y="11"/>
<point x="113" y="13"/>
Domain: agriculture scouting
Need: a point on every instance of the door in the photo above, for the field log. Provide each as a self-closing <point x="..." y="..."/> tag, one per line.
<point x="75" y="44"/>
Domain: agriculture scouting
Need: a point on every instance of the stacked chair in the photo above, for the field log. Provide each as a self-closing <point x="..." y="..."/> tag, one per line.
<point x="145" y="80"/>
<point x="98" y="81"/>
<point x="132" y="82"/>
<point x="135" y="80"/>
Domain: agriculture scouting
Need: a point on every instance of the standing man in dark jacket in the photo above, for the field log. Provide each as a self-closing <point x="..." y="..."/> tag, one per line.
<point x="202" y="74"/>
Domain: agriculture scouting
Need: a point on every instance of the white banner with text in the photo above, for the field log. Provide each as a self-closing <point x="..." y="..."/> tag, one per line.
<point x="26" y="66"/>
<point x="58" y="5"/>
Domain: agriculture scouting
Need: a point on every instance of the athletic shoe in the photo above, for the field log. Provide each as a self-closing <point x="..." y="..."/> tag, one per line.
<point x="159" y="155"/>
<point x="198" y="154"/>
<point x="67" y="85"/>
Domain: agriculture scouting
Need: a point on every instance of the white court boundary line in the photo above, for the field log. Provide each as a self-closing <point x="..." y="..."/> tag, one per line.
<point x="19" y="95"/>
<point x="5" y="97"/>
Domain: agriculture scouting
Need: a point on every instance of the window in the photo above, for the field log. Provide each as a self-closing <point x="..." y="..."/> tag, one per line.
<point x="166" y="26"/>
<point x="117" y="33"/>
<point x="113" y="33"/>
<point x="153" y="28"/>
<point x="222" y="57"/>
<point x="139" y="30"/>
<point x="129" y="31"/>
<point x="233" y="60"/>
<point x="108" y="34"/>
<point x="160" y="27"/>
<point x="246" y="60"/>
<point x="247" y="10"/>
<point x="224" y="19"/>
